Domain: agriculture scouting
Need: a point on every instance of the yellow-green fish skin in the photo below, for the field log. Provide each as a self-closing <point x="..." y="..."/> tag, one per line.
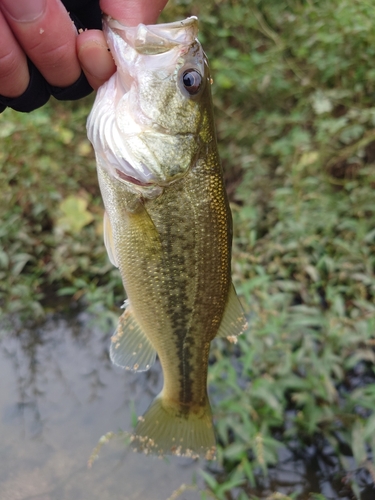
<point x="174" y="255"/>
<point x="173" y="250"/>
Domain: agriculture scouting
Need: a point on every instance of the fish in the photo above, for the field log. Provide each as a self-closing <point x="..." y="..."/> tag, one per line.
<point x="167" y="225"/>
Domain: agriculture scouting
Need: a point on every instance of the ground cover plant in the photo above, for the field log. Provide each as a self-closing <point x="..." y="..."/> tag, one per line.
<point x="294" y="92"/>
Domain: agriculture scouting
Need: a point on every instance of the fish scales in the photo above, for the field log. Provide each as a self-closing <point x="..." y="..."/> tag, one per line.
<point x="168" y="226"/>
<point x="187" y="276"/>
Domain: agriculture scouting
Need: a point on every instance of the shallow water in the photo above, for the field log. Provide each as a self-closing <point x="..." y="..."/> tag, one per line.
<point x="59" y="393"/>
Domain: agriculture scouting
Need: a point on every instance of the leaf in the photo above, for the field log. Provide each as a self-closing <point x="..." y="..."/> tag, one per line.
<point x="7" y="129"/>
<point x="20" y="260"/>
<point x="321" y="103"/>
<point x="76" y="215"/>
<point x="209" y="479"/>
<point x="358" y="444"/>
<point x="235" y="451"/>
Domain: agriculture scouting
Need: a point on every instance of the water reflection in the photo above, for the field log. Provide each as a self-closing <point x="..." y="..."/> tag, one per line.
<point x="58" y="394"/>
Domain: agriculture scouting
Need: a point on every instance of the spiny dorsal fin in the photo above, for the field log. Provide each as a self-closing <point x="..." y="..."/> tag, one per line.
<point x="108" y="240"/>
<point x="234" y="321"/>
<point x="130" y="348"/>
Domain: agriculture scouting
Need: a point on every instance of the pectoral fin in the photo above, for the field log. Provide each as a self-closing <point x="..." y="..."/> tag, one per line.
<point x="108" y="240"/>
<point x="234" y="321"/>
<point x="130" y="348"/>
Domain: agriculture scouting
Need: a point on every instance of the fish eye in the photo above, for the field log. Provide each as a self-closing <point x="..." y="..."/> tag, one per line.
<point x="192" y="81"/>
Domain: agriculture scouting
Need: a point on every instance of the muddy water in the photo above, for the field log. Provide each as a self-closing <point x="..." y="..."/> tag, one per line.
<point x="59" y="394"/>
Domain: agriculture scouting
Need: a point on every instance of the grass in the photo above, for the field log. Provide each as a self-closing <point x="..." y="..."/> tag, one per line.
<point x="293" y="90"/>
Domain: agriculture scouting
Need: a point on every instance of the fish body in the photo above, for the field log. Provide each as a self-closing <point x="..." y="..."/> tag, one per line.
<point x="168" y="225"/>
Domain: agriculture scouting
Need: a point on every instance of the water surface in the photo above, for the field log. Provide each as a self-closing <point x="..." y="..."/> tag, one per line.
<point x="59" y="393"/>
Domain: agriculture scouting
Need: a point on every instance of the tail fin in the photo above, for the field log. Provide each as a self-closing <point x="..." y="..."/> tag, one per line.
<point x="163" y="432"/>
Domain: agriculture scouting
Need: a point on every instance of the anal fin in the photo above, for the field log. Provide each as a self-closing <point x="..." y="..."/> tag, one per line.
<point x="234" y="321"/>
<point x="130" y="347"/>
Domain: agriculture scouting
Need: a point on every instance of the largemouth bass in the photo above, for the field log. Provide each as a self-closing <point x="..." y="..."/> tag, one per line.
<point x="167" y="225"/>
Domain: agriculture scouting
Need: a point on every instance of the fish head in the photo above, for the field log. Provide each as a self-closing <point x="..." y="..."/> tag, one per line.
<point x="149" y="121"/>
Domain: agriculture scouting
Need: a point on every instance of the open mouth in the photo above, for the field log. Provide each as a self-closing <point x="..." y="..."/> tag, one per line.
<point x="155" y="39"/>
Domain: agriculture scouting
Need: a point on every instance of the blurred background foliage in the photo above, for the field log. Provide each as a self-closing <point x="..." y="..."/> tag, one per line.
<point x="294" y="93"/>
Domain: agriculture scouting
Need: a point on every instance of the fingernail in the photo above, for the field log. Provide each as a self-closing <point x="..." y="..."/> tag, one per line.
<point x="24" y="10"/>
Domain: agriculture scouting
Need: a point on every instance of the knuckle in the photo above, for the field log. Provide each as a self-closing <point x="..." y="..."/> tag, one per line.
<point x="55" y="62"/>
<point x="9" y="64"/>
<point x="13" y="73"/>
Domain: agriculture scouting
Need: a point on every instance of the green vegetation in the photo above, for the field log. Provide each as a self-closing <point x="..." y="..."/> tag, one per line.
<point x="51" y="212"/>
<point x="294" y="90"/>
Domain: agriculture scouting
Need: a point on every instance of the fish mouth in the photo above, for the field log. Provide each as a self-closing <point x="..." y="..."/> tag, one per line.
<point x="137" y="182"/>
<point x="145" y="189"/>
<point x="156" y="38"/>
<point x="140" y="176"/>
<point x="132" y="180"/>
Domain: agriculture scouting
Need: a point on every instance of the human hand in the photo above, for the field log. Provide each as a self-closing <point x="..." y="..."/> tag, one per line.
<point x="41" y="32"/>
<point x="94" y="61"/>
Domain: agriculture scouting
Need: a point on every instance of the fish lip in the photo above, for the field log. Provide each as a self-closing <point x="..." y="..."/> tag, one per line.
<point x="133" y="180"/>
<point x="125" y="171"/>
<point x="137" y="182"/>
<point x="155" y="38"/>
<point x="189" y="21"/>
<point x="146" y="190"/>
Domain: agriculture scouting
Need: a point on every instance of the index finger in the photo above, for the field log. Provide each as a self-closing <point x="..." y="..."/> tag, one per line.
<point x="133" y="12"/>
